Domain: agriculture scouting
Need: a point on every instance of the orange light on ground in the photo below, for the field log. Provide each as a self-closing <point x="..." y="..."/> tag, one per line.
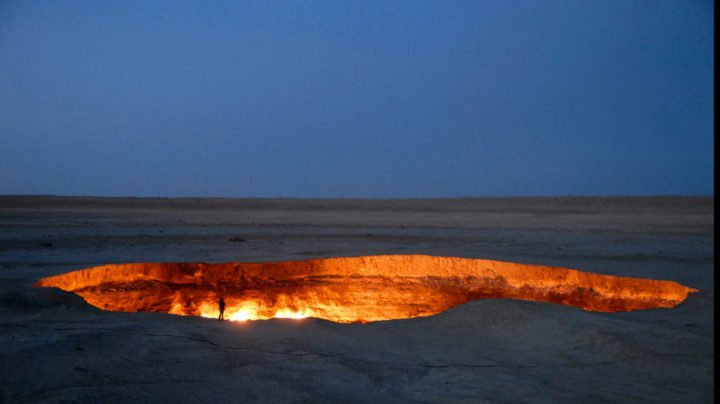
<point x="354" y="289"/>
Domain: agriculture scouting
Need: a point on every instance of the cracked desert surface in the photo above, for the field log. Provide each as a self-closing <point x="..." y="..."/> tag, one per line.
<point x="56" y="347"/>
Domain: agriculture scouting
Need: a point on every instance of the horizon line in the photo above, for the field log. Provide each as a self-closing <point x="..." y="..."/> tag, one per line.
<point x="358" y="198"/>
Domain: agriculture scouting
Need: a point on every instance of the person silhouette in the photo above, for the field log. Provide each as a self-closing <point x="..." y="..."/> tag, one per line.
<point x="221" y="303"/>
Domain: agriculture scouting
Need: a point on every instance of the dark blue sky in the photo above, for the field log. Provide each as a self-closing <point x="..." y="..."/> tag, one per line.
<point x="356" y="99"/>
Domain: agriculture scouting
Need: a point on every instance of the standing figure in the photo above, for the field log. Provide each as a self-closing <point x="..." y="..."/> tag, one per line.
<point x="221" y="303"/>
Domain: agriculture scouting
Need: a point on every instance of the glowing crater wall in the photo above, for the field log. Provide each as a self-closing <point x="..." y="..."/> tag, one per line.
<point x="354" y="289"/>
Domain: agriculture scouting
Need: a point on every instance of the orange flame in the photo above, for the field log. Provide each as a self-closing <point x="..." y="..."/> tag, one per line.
<point x="354" y="289"/>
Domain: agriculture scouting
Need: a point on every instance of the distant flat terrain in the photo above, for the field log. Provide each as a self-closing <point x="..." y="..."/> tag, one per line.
<point x="57" y="348"/>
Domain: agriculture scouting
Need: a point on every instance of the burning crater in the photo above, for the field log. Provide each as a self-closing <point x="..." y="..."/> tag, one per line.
<point x="356" y="289"/>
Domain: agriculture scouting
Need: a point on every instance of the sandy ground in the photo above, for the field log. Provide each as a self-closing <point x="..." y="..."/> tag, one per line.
<point x="56" y="348"/>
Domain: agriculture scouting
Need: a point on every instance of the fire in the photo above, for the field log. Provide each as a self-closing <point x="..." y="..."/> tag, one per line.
<point x="242" y="311"/>
<point x="354" y="289"/>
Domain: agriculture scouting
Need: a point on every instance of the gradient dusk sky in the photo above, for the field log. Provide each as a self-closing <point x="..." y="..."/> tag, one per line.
<point x="356" y="99"/>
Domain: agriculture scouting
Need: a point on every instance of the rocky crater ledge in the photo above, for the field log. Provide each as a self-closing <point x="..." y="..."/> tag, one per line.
<point x="353" y="289"/>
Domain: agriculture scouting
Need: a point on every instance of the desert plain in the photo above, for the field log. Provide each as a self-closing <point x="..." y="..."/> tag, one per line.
<point x="54" y="347"/>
